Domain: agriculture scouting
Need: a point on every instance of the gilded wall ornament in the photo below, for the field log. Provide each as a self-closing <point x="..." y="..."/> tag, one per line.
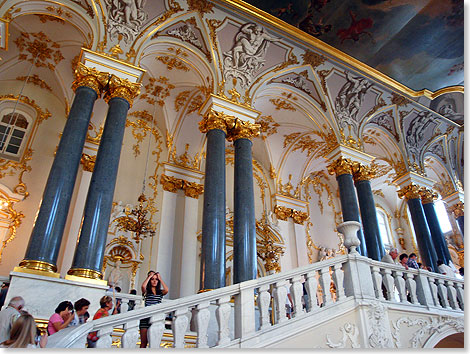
<point x="14" y="218"/>
<point x="192" y="189"/>
<point x="288" y="189"/>
<point x="379" y="192"/>
<point x="299" y="217"/>
<point x="172" y="61"/>
<point x="171" y="184"/>
<point x="215" y="120"/>
<point x="323" y="74"/>
<point x="362" y="172"/>
<point x="88" y="162"/>
<point x="122" y="88"/>
<point x="90" y="77"/>
<point x="157" y="90"/>
<point x="313" y="147"/>
<point x="427" y="195"/>
<point x="458" y="209"/>
<point x="282" y="212"/>
<point x="184" y="159"/>
<point x="399" y="100"/>
<point x="213" y="24"/>
<point x="267" y="125"/>
<point x="313" y="59"/>
<point x="270" y="254"/>
<point x="48" y="18"/>
<point x="319" y="182"/>
<point x="7" y="167"/>
<point x="181" y="99"/>
<point x="291" y="60"/>
<point x="410" y="191"/>
<point x="59" y="11"/>
<point x="35" y="80"/>
<point x="242" y="130"/>
<point x="201" y="6"/>
<point x="284" y="104"/>
<point x="340" y="166"/>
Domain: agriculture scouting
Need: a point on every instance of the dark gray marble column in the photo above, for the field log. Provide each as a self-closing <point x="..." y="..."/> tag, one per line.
<point x="244" y="224"/>
<point x="440" y="243"/>
<point x="370" y="224"/>
<point x="46" y="237"/>
<point x="89" y="254"/>
<point x="460" y="221"/>
<point x="349" y="206"/>
<point x="423" y="234"/>
<point x="213" y="214"/>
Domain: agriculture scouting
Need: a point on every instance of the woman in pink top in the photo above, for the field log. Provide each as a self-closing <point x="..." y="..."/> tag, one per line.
<point x="61" y="318"/>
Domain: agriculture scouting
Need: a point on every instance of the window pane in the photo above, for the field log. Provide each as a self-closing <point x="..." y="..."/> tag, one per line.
<point x="13" y="149"/>
<point x="442" y="216"/>
<point x="18" y="133"/>
<point x="15" y="141"/>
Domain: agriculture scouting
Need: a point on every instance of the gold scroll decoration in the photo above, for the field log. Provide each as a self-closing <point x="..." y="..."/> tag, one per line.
<point x="411" y="191"/>
<point x="243" y="130"/>
<point x="427" y="195"/>
<point x="215" y="120"/>
<point x="122" y="88"/>
<point x="88" y="162"/>
<point x="90" y="77"/>
<point x="172" y="184"/>
<point x="340" y="166"/>
<point x="457" y="209"/>
<point x="283" y="213"/>
<point x="363" y="172"/>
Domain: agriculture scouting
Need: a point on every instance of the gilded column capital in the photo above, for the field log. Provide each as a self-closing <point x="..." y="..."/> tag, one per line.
<point x="427" y="195"/>
<point x="282" y="212"/>
<point x="122" y="88"/>
<point x="171" y="184"/>
<point x="363" y="172"/>
<point x="243" y="130"/>
<point x="411" y="191"/>
<point x="88" y="162"/>
<point x="299" y="217"/>
<point x="89" y="77"/>
<point x="192" y="189"/>
<point x="340" y="166"/>
<point x="215" y="120"/>
<point x="457" y="209"/>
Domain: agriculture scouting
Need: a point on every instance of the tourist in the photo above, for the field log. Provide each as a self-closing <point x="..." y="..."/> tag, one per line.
<point x="153" y="294"/>
<point x="61" y="318"/>
<point x="3" y="293"/>
<point x="404" y="260"/>
<point x="131" y="303"/>
<point x="81" y="307"/>
<point x="9" y="315"/>
<point x="24" y="334"/>
<point x="445" y="269"/>
<point x="390" y="257"/>
<point x="412" y="261"/>
<point x="106" y="304"/>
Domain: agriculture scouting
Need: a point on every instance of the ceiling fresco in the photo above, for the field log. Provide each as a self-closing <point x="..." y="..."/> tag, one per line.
<point x="418" y="43"/>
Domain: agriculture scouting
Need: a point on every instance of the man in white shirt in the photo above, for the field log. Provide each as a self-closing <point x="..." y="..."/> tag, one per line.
<point x="9" y="315"/>
<point x="445" y="269"/>
<point x="390" y="257"/>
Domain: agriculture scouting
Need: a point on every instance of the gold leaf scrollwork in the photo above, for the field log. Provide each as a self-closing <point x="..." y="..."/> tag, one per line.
<point x="340" y="166"/>
<point x="88" y="162"/>
<point x="192" y="189"/>
<point x="35" y="80"/>
<point x="410" y="191"/>
<point x="215" y="120"/>
<point x="458" y="209"/>
<point x="243" y="130"/>
<point x="14" y="218"/>
<point x="122" y="88"/>
<point x="362" y="172"/>
<point x="282" y="212"/>
<point x="313" y="59"/>
<point x="427" y="195"/>
<point x="201" y="6"/>
<point x="172" y="62"/>
<point x="171" y="184"/>
<point x="299" y="217"/>
<point x="90" y="77"/>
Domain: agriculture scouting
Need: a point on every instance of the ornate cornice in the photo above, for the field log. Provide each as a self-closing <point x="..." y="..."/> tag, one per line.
<point x="457" y="209"/>
<point x="243" y="130"/>
<point x="411" y="191"/>
<point x="363" y="172"/>
<point x="283" y="213"/>
<point x="215" y="120"/>
<point x="88" y="162"/>
<point x="427" y="195"/>
<point x="122" y="88"/>
<point x="172" y="184"/>
<point x="90" y="77"/>
<point x="340" y="166"/>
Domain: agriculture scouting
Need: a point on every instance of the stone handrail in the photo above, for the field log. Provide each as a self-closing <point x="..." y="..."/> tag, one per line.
<point x="257" y="306"/>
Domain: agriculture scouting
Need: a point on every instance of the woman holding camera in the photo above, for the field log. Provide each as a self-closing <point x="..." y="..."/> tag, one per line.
<point x="153" y="289"/>
<point x="61" y="318"/>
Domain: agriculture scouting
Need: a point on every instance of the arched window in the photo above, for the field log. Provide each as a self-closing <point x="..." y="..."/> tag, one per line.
<point x="384" y="229"/>
<point x="13" y="129"/>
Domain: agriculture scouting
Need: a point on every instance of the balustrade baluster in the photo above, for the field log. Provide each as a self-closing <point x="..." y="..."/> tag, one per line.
<point x="131" y="335"/>
<point x="280" y="295"/>
<point x="442" y="291"/>
<point x="377" y="280"/>
<point x="264" y="298"/>
<point x="325" y="283"/>
<point x="296" y="291"/>
<point x="460" y="294"/>
<point x="179" y="326"/>
<point x="400" y="284"/>
<point x="452" y="293"/>
<point x="105" y="340"/>
<point x="311" y="285"/>
<point x="411" y="287"/>
<point x="222" y="314"/>
<point x="338" y="279"/>
<point x="433" y="286"/>
<point x="388" y="283"/>
<point x="203" y="316"/>
<point x="155" y="331"/>
<point x="124" y="305"/>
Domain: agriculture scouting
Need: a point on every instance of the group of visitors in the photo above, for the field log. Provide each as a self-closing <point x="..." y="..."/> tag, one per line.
<point x="18" y="328"/>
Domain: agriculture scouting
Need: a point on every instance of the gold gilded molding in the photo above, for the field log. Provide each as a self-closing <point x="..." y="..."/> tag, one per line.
<point x="38" y="265"/>
<point x="90" y="77"/>
<point x="282" y="212"/>
<point x="215" y="120"/>
<point x="39" y="49"/>
<point x="243" y="130"/>
<point x="363" y="172"/>
<point x="122" y="88"/>
<point x="85" y="273"/>
<point x="88" y="162"/>
<point x="7" y="167"/>
<point x="299" y="217"/>
<point x="171" y="184"/>
<point x="201" y="6"/>
<point x="173" y="62"/>
<point x="288" y="189"/>
<point x="270" y="254"/>
<point x="284" y="104"/>
<point x="457" y="209"/>
<point x="184" y="159"/>
<point x="399" y="100"/>
<point x="319" y="182"/>
<point x="313" y="147"/>
<point x="14" y="217"/>
<point x="427" y="195"/>
<point x="59" y="11"/>
<point x="340" y="166"/>
<point x="267" y="126"/>
<point x="157" y="90"/>
<point x="411" y="191"/>
<point x="291" y="60"/>
<point x="313" y="59"/>
<point x="35" y="80"/>
<point x="192" y="189"/>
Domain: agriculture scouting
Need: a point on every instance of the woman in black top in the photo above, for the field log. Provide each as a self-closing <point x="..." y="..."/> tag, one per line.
<point x="153" y="289"/>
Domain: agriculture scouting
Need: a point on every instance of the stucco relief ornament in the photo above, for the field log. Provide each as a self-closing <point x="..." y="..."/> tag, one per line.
<point x="248" y="53"/>
<point x="298" y="82"/>
<point x="186" y="33"/>
<point x="349" y="100"/>
<point x="416" y="129"/>
<point x="378" y="338"/>
<point x="125" y="17"/>
<point x="350" y="333"/>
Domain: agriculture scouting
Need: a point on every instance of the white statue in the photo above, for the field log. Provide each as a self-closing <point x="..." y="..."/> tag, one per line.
<point x="247" y="54"/>
<point x="126" y="18"/>
<point x="115" y="277"/>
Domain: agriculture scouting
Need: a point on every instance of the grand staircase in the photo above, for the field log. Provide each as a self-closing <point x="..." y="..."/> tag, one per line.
<point x="345" y="308"/>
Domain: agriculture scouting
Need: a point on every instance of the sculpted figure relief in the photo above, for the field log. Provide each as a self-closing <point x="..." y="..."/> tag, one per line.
<point x="349" y="100"/>
<point x="125" y="18"/>
<point x="247" y="54"/>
